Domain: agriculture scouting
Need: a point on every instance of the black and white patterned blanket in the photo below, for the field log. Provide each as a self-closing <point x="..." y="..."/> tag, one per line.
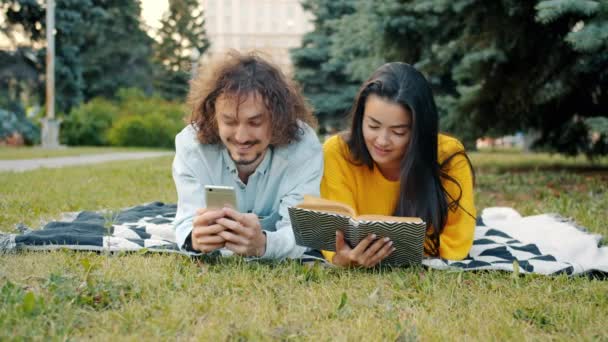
<point x="504" y="240"/>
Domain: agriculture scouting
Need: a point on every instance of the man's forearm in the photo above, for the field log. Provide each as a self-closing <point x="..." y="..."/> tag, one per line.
<point x="281" y="244"/>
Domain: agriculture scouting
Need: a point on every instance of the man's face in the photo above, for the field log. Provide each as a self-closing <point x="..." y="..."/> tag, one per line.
<point x="244" y="128"/>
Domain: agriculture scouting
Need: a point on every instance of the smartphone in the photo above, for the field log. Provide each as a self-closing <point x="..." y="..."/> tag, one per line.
<point x="217" y="196"/>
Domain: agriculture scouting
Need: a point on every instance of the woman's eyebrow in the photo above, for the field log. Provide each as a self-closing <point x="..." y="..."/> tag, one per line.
<point x="374" y="120"/>
<point x="406" y="125"/>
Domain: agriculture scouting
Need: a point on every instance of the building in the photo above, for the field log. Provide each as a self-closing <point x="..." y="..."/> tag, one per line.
<point x="270" y="26"/>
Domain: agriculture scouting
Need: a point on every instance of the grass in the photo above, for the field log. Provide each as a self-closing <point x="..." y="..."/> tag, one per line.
<point x="67" y="295"/>
<point x="542" y="183"/>
<point x="12" y="153"/>
<point x="512" y="160"/>
<point x="37" y="196"/>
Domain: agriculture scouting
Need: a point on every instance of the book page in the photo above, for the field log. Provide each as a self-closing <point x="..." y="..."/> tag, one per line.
<point x="326" y="206"/>
<point x="385" y="218"/>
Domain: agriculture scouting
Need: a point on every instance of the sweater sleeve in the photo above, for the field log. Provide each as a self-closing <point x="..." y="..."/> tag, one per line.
<point x="337" y="183"/>
<point x="457" y="236"/>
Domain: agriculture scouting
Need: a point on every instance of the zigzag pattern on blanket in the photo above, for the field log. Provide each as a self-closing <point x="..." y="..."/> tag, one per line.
<point x="494" y="250"/>
<point x="146" y="226"/>
<point x="150" y="226"/>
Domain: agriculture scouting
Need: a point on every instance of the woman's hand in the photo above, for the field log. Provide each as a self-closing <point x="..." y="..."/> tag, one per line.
<point x="365" y="254"/>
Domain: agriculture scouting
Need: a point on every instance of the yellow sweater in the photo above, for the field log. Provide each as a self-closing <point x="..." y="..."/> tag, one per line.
<point x="368" y="192"/>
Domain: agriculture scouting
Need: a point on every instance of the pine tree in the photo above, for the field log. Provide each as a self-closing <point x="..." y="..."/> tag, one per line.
<point x="324" y="81"/>
<point x="118" y="51"/>
<point x="100" y="46"/>
<point x="182" y="32"/>
<point x="497" y="66"/>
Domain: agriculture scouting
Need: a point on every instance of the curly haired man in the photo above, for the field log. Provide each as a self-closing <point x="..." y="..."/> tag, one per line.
<point x="250" y="128"/>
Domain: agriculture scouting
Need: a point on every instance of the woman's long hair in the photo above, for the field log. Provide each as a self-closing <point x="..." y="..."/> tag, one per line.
<point x="422" y="194"/>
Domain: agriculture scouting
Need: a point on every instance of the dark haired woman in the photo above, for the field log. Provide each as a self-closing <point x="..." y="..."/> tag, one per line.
<point x="393" y="161"/>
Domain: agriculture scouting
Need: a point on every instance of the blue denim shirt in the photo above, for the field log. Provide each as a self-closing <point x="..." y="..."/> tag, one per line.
<point x="280" y="181"/>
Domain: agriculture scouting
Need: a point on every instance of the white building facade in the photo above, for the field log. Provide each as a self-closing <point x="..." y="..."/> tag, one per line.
<point x="270" y="26"/>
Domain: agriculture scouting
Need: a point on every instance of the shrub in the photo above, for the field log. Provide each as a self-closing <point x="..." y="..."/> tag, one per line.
<point x="134" y="102"/>
<point x="133" y="120"/>
<point x="17" y="122"/>
<point x="89" y="123"/>
<point x="146" y="121"/>
<point x="153" y="130"/>
<point x="598" y="136"/>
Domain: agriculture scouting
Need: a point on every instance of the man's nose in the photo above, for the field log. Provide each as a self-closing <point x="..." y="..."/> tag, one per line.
<point x="241" y="135"/>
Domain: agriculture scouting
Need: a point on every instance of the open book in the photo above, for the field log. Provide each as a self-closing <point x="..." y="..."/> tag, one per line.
<point x="316" y="220"/>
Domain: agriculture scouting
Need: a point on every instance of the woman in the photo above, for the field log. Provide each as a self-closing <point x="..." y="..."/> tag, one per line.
<point x="393" y="161"/>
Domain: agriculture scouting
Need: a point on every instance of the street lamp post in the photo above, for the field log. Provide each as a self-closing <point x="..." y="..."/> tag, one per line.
<point x="195" y="55"/>
<point x="50" y="125"/>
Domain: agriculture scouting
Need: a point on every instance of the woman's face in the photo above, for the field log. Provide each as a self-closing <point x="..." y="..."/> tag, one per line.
<point x="386" y="131"/>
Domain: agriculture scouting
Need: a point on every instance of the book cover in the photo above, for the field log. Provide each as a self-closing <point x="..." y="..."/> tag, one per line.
<point x="316" y="220"/>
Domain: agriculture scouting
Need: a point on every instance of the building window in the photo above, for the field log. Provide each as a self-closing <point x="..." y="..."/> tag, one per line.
<point x="227" y="23"/>
<point x="210" y="24"/>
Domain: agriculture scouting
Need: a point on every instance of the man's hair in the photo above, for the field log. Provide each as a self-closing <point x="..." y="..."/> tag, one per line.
<point x="238" y="76"/>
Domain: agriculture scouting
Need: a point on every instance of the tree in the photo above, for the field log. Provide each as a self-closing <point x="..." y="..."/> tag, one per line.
<point x="357" y="43"/>
<point x="100" y="46"/>
<point x="324" y="81"/>
<point x="497" y="67"/>
<point x="509" y="69"/>
<point x="19" y="77"/>
<point x="118" y="52"/>
<point x="18" y="80"/>
<point x="182" y="33"/>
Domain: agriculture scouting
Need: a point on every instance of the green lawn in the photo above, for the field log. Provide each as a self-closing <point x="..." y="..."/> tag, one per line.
<point x="39" y="152"/>
<point x="67" y="295"/>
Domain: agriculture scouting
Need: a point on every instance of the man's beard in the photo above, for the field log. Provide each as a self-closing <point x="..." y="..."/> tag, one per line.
<point x="244" y="162"/>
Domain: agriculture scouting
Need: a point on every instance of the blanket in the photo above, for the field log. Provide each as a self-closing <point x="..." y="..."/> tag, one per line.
<point x="504" y="240"/>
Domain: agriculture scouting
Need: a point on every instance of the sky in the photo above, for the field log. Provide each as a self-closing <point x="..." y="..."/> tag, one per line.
<point x="152" y="11"/>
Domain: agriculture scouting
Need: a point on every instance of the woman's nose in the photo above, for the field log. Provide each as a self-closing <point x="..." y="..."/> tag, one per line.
<point x="383" y="139"/>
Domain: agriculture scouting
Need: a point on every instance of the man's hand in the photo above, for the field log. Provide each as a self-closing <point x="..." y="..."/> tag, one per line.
<point x="365" y="254"/>
<point x="205" y="230"/>
<point x="242" y="233"/>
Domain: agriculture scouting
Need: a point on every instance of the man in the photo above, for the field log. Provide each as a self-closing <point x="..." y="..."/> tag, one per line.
<point x="250" y="128"/>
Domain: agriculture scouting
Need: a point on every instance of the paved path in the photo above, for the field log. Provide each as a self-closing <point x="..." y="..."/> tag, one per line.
<point x="32" y="164"/>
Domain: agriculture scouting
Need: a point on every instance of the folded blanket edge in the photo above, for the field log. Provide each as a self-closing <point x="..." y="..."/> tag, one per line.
<point x="7" y="242"/>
